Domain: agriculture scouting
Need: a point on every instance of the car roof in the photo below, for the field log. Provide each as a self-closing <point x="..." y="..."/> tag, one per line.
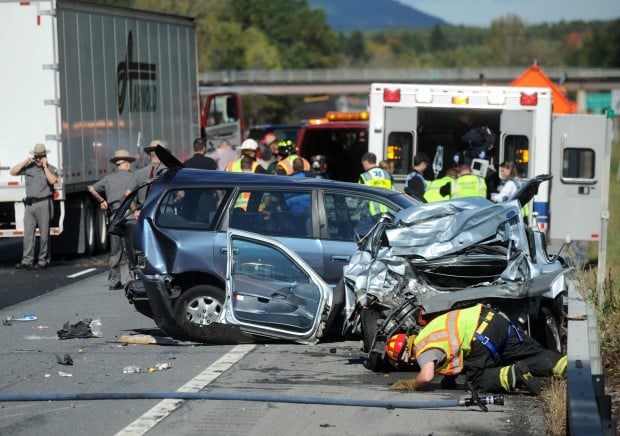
<point x="189" y="177"/>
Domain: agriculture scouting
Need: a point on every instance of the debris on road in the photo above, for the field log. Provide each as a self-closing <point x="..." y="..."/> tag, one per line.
<point x="146" y="340"/>
<point x="27" y="317"/>
<point x="131" y="369"/>
<point x="65" y="360"/>
<point x="81" y="329"/>
<point x="160" y="367"/>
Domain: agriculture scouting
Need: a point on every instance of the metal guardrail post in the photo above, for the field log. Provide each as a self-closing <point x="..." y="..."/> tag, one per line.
<point x="588" y="408"/>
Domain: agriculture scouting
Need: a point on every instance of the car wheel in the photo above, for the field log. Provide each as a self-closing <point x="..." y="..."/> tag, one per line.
<point x="197" y="308"/>
<point x="369" y="318"/>
<point x="548" y="330"/>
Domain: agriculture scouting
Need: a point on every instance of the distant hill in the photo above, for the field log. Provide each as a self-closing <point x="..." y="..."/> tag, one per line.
<point x="367" y="15"/>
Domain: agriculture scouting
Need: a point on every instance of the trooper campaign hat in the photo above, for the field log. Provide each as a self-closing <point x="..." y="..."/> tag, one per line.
<point x="154" y="143"/>
<point x="39" y="150"/>
<point x="122" y="155"/>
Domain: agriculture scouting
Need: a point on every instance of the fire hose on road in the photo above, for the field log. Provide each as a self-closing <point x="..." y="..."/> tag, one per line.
<point x="474" y="400"/>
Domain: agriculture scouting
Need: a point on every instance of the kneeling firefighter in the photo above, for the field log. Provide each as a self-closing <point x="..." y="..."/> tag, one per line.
<point x="482" y="344"/>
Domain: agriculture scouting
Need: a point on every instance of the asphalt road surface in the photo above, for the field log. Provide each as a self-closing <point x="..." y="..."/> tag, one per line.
<point x="20" y="285"/>
<point x="332" y="370"/>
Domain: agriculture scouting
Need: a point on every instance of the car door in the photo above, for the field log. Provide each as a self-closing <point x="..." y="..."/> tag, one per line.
<point x="286" y="214"/>
<point x="271" y="291"/>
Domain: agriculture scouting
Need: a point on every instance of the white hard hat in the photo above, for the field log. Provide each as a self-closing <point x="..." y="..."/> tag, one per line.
<point x="249" y="144"/>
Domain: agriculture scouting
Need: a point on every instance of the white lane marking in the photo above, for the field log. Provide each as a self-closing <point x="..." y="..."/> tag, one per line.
<point x="81" y="273"/>
<point x="165" y="407"/>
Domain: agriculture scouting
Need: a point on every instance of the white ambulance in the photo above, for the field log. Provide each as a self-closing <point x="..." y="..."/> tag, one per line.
<point x="406" y="119"/>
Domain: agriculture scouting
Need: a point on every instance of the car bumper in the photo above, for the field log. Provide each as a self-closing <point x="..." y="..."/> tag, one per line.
<point x="156" y="290"/>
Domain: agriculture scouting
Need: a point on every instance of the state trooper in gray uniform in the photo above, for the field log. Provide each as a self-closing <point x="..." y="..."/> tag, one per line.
<point x="40" y="179"/>
<point x="151" y="170"/>
<point x="115" y="186"/>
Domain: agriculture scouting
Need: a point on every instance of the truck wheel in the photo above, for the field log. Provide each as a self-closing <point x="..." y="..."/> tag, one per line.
<point x="547" y="330"/>
<point x="197" y="308"/>
<point x="89" y="227"/>
<point x="101" y="231"/>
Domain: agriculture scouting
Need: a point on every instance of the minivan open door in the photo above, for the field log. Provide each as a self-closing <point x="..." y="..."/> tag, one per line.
<point x="271" y="292"/>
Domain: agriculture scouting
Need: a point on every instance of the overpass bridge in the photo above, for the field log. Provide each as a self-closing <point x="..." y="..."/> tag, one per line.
<point x="357" y="80"/>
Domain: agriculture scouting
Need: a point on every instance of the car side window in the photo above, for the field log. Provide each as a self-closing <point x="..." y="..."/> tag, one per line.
<point x="350" y="215"/>
<point x="273" y="213"/>
<point x="190" y="208"/>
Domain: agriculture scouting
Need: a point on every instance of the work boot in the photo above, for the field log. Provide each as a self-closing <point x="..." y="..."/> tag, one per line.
<point x="522" y="378"/>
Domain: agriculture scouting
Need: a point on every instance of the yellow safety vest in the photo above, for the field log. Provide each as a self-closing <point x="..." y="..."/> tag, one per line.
<point x="376" y="177"/>
<point x="469" y="185"/>
<point x="452" y="333"/>
<point x="432" y="189"/>
<point x="235" y="166"/>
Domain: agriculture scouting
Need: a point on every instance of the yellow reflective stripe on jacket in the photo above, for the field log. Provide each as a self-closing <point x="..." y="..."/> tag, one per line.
<point x="376" y="177"/>
<point x="452" y="333"/>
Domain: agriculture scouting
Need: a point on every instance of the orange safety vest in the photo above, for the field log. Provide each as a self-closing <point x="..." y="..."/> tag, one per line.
<point x="452" y="333"/>
<point x="287" y="164"/>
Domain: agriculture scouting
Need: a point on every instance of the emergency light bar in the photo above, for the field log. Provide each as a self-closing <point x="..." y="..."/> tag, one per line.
<point x="391" y="95"/>
<point x="347" y="116"/>
<point x="529" y="99"/>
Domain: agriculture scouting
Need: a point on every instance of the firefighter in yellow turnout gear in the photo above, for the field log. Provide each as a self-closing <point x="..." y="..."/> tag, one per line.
<point x="481" y="344"/>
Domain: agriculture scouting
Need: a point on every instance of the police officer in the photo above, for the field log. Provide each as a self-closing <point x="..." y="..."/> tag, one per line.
<point x="151" y="170"/>
<point x="40" y="179"/>
<point x="482" y="344"/>
<point x="115" y="186"/>
<point x="415" y="185"/>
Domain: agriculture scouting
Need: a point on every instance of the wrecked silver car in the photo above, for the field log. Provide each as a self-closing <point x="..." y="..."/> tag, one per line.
<point x="431" y="258"/>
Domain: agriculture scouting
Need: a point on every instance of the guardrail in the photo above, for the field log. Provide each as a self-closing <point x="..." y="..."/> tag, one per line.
<point x="588" y="408"/>
<point x="420" y="75"/>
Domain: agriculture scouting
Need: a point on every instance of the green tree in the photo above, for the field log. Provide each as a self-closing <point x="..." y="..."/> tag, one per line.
<point x="438" y="40"/>
<point x="507" y="42"/>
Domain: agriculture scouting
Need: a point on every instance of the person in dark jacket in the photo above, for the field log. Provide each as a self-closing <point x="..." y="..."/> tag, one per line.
<point x="199" y="160"/>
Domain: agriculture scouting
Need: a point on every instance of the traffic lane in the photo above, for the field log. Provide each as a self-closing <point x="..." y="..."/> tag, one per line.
<point x="29" y="363"/>
<point x="326" y="369"/>
<point x="335" y="370"/>
<point x="20" y="285"/>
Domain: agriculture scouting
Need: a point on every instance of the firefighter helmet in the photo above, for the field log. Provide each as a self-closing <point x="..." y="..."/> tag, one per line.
<point x="395" y="346"/>
<point x="286" y="148"/>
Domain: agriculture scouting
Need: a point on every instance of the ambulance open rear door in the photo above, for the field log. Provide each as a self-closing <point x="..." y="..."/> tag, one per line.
<point x="578" y="147"/>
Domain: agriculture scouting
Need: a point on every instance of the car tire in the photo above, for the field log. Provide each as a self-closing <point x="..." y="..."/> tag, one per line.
<point x="101" y="231"/>
<point x="375" y="360"/>
<point x="547" y="330"/>
<point x="196" y="309"/>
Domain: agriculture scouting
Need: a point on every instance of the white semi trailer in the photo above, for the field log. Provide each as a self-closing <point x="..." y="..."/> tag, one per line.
<point x="87" y="80"/>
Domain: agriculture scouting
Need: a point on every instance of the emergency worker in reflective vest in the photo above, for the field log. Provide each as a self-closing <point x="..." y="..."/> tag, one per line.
<point x="466" y="185"/>
<point x="249" y="148"/>
<point x="482" y="344"/>
<point x="287" y="155"/>
<point x="375" y="176"/>
<point x="432" y="193"/>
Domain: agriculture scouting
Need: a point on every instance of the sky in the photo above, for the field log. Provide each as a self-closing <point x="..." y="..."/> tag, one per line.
<point x="482" y="12"/>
